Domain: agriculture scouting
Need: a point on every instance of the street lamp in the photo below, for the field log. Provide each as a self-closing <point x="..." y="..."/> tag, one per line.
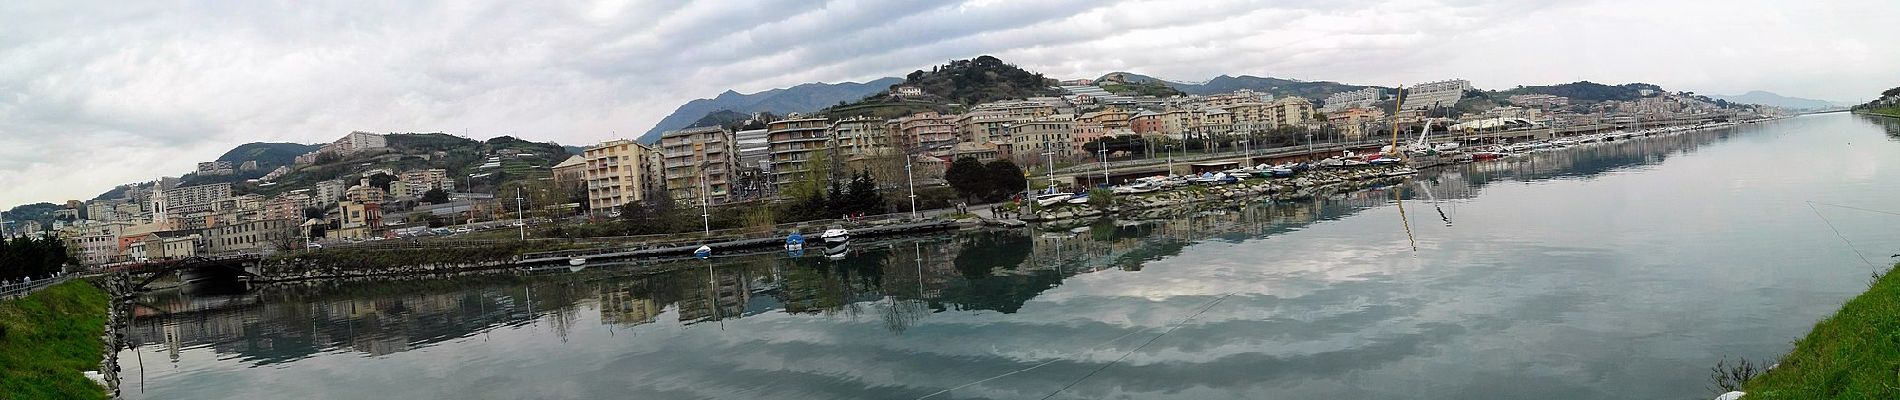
<point x="1050" y="169"/>
<point x="1104" y="153"/>
<point x="1170" y="159"/>
<point x="520" y="224"/>
<point x="911" y="181"/>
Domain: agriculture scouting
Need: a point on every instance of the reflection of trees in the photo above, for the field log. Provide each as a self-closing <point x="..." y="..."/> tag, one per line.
<point x="983" y="252"/>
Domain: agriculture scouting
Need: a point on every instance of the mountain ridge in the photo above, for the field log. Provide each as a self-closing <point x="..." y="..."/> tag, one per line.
<point x="1767" y="98"/>
<point x="801" y="98"/>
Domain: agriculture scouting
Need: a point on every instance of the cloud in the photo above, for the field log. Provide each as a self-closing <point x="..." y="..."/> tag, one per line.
<point x="93" y="95"/>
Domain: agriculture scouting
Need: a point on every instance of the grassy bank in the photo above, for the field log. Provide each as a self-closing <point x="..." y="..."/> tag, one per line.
<point x="49" y="338"/>
<point x="1854" y="354"/>
<point x="1885" y="112"/>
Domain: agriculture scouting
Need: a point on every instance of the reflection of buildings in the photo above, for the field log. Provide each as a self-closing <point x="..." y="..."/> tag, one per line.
<point x="901" y="283"/>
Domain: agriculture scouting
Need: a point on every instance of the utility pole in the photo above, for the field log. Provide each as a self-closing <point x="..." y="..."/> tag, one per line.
<point x="1104" y="153"/>
<point x="705" y="216"/>
<point x="1170" y="160"/>
<point x="911" y="181"/>
<point x="520" y="224"/>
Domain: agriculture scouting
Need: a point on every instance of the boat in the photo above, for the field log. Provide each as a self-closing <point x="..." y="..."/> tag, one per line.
<point x="1052" y="199"/>
<point x="703" y="251"/>
<point x="1136" y="187"/>
<point x="836" y="235"/>
<point x="1081" y="198"/>
<point x="795" y="242"/>
<point x="577" y="261"/>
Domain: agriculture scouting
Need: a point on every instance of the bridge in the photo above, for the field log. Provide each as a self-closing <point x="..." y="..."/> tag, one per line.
<point x="189" y="269"/>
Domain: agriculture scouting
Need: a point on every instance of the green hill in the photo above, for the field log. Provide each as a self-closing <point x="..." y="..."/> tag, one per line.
<point x="961" y="83"/>
<point x="1587" y="91"/>
<point x="1316" y="90"/>
<point x="413" y="151"/>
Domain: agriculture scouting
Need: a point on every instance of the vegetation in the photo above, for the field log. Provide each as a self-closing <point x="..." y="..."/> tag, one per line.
<point x="980" y="80"/>
<point x="1587" y="91"/>
<point x="1853" y="354"/>
<point x="31" y="257"/>
<point x="1150" y="88"/>
<point x="1885" y="105"/>
<point x="48" y="339"/>
<point x="991" y="182"/>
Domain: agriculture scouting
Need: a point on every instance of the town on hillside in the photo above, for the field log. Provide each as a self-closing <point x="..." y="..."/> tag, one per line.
<point x="369" y="186"/>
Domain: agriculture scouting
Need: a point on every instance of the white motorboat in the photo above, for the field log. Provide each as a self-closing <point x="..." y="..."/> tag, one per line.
<point x="577" y="261"/>
<point x="1053" y="199"/>
<point x="1137" y="187"/>
<point x="836" y="235"/>
<point x="1079" y="199"/>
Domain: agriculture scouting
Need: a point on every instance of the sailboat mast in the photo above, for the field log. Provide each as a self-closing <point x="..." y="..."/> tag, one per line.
<point x="1396" y="107"/>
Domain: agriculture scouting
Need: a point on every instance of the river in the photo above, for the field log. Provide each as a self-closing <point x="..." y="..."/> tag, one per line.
<point x="1610" y="271"/>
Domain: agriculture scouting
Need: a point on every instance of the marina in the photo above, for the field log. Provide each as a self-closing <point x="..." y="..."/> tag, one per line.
<point x="1608" y="270"/>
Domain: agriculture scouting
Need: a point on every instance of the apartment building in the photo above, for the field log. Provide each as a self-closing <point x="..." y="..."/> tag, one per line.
<point x="793" y="142"/>
<point x="1048" y="134"/>
<point x="195" y="198"/>
<point x="618" y="172"/>
<point x="697" y="162"/>
<point x="1354" y="99"/>
<point x="1540" y="101"/>
<point x="1438" y="94"/>
<point x="1291" y="111"/>
<point x="925" y="130"/>
<point x="328" y="192"/>
<point x="423" y="180"/>
<point x="752" y="148"/>
<point x="260" y="236"/>
<point x="861" y="137"/>
<point x="1355" y="123"/>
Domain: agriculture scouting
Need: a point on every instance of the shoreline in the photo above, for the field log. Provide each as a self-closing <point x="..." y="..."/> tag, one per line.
<point x="53" y="341"/>
<point x="1851" y="353"/>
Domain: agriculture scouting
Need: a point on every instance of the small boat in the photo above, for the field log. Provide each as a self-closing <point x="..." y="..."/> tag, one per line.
<point x="577" y="261"/>
<point x="1383" y="161"/>
<point x="1052" y="198"/>
<point x="1082" y="198"/>
<point x="1486" y="155"/>
<point x="1137" y="187"/>
<point x="703" y="251"/>
<point x="795" y="242"/>
<point x="836" y="235"/>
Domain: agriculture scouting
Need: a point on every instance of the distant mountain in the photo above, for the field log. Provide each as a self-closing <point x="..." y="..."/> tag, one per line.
<point x="1316" y="90"/>
<point x="574" y="150"/>
<point x="1774" y="100"/>
<point x="1589" y="92"/>
<point x="801" y="99"/>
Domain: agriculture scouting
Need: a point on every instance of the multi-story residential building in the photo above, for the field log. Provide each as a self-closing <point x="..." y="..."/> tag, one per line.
<point x="1230" y="98"/>
<point x="618" y="172"/>
<point x="214" y="168"/>
<point x="984" y="126"/>
<point x="1017" y="108"/>
<point x="860" y="137"/>
<point x="286" y="206"/>
<point x="260" y="236"/>
<point x="195" y="198"/>
<point x="355" y="142"/>
<point x="1084" y="133"/>
<point x="925" y="131"/>
<point x="423" y="180"/>
<point x="357" y="220"/>
<point x="793" y="142"/>
<point x="1539" y="100"/>
<point x="1356" y="123"/>
<point x="1357" y="98"/>
<point x="96" y="242"/>
<point x="1110" y="118"/>
<point x="1291" y="111"/>
<point x="328" y="192"/>
<point x="1146" y="123"/>
<point x="698" y="162"/>
<point x="1048" y="134"/>
<point x="363" y="192"/>
<point x="753" y="148"/>
<point x="1431" y="95"/>
<point x="570" y="174"/>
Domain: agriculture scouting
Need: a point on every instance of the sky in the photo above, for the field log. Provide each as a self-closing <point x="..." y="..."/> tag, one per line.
<point x="94" y="94"/>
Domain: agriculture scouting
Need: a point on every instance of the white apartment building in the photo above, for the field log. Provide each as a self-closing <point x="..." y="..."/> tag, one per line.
<point x="1362" y="98"/>
<point x="1438" y="94"/>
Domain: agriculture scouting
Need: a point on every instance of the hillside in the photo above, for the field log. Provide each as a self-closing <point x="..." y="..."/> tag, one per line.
<point x="460" y="156"/>
<point x="1775" y="100"/>
<point x="1315" y="90"/>
<point x="803" y="98"/>
<point x="961" y="83"/>
<point x="1587" y="91"/>
<point x="267" y="155"/>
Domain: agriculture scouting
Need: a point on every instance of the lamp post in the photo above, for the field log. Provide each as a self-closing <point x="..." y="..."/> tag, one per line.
<point x="1050" y="169"/>
<point x="705" y="216"/>
<point x="911" y="181"/>
<point x="1104" y="153"/>
<point x="1170" y="148"/>
<point x="520" y="224"/>
<point x="469" y="186"/>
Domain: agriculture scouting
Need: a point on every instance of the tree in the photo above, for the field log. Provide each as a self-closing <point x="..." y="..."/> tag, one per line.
<point x="381" y="181"/>
<point x="969" y="177"/>
<point x="1005" y="178"/>
<point x="313" y="213"/>
<point x="862" y="195"/>
<point x="435" y="196"/>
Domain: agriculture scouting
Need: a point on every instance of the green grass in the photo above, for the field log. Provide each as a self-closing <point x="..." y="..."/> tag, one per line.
<point x="49" y="338"/>
<point x="1854" y="354"/>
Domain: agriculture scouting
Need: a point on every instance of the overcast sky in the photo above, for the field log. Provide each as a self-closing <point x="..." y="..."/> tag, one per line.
<point x="94" y="94"/>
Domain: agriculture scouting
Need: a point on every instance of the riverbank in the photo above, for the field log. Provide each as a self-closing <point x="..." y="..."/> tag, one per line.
<point x="49" y="339"/>
<point x="1853" y="354"/>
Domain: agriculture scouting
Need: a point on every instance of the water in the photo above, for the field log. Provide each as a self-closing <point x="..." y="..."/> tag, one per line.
<point x="1620" y="270"/>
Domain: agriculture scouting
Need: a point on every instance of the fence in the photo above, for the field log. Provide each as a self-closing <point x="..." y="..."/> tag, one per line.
<point x="21" y="289"/>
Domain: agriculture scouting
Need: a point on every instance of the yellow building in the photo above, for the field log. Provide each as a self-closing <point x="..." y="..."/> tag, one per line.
<point x="616" y="173"/>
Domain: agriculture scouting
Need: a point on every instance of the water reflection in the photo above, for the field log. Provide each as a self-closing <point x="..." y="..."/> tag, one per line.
<point x="904" y="319"/>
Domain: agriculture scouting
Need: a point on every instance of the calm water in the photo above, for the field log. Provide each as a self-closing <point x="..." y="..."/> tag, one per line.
<point x="1616" y="271"/>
